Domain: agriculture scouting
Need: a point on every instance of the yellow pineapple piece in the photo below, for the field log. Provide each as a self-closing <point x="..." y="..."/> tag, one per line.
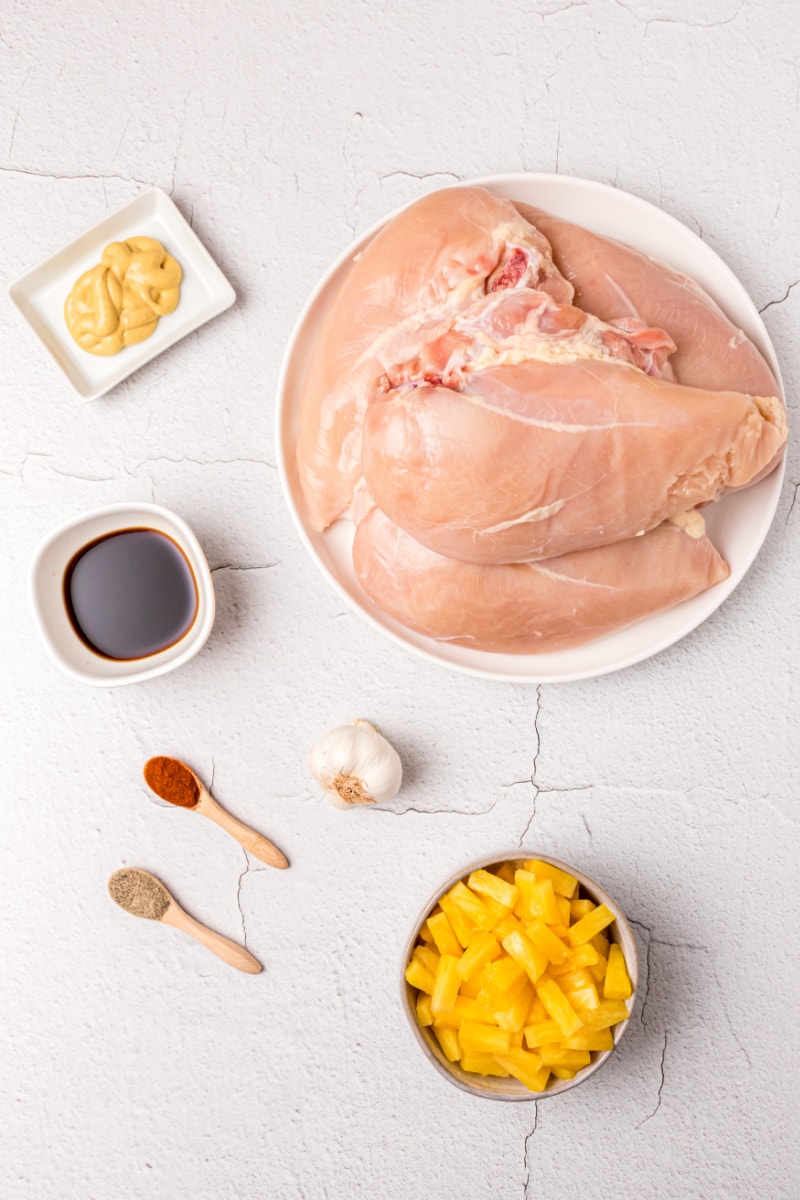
<point x="445" y="984"/>
<point x="507" y="924"/>
<point x="543" y="1033"/>
<point x="598" y="971"/>
<point x="427" y="956"/>
<point x="564" y="916"/>
<point x="552" y="947"/>
<point x="464" y="1009"/>
<point x="562" y="1073"/>
<point x="524" y="952"/>
<point x="471" y="987"/>
<point x="537" y="1012"/>
<point x="601" y="944"/>
<point x="558" y="1006"/>
<point x="590" y="1039"/>
<point x="460" y="923"/>
<point x="448" y="1040"/>
<point x="617" y="984"/>
<point x="443" y="936"/>
<point x="503" y="980"/>
<point x="582" y="996"/>
<point x="482" y="1064"/>
<point x="573" y="1060"/>
<point x="594" y="922"/>
<point x="513" y="1016"/>
<point x="579" y="907"/>
<point x="580" y="956"/>
<point x="506" y="872"/>
<point x="607" y="1013"/>
<point x="543" y="902"/>
<point x="486" y="884"/>
<point x="424" y="1014"/>
<point x="563" y="883"/>
<point x="425" y="933"/>
<point x="516" y="1040"/>
<point x="525" y="1067"/>
<point x="484" y="1039"/>
<point x="524" y="882"/>
<point x="419" y="977"/>
<point x="482" y="949"/>
<point x="472" y="906"/>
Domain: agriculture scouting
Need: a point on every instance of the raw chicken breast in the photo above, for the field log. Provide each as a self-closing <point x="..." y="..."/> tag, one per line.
<point x="613" y="280"/>
<point x="535" y="459"/>
<point x="436" y="256"/>
<point x="531" y="608"/>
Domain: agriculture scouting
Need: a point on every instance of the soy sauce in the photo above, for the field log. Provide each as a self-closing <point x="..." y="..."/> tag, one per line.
<point x="130" y="594"/>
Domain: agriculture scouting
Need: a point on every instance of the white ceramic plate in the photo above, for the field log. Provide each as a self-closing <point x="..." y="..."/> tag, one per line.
<point x="737" y="525"/>
<point x="40" y="294"/>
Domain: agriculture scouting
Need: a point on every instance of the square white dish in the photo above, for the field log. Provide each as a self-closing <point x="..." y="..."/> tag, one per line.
<point x="39" y="294"/>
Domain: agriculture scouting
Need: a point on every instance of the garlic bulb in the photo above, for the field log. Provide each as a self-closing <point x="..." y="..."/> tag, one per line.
<point x="356" y="765"/>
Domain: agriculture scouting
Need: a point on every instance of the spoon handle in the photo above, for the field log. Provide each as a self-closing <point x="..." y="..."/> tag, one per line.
<point x="229" y="951"/>
<point x="260" y="847"/>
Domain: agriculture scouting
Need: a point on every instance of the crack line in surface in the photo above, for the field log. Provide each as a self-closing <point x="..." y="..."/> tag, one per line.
<point x="245" y="566"/>
<point x="57" y="178"/>
<point x="785" y="296"/>
<point x="794" y="499"/>
<point x="246" y="871"/>
<point x="527" y="1143"/>
<point x="660" y="1086"/>
<point x="435" y="812"/>
<point x="533" y="781"/>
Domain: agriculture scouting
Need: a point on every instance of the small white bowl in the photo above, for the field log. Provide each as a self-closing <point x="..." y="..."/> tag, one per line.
<point x="39" y="294"/>
<point x="48" y="568"/>
<point x="492" y="1087"/>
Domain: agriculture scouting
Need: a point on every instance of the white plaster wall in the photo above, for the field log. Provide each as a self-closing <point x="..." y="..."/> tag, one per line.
<point x="136" y="1065"/>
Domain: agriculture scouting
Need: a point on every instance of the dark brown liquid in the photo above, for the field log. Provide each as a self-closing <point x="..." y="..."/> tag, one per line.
<point x="130" y="594"/>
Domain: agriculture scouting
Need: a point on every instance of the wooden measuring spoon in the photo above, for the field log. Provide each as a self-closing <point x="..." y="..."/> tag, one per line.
<point x="144" y="895"/>
<point x="176" y="783"/>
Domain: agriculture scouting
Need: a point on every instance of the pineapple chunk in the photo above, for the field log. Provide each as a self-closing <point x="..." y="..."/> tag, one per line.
<point x="581" y="956"/>
<point x="536" y="1012"/>
<point x="507" y="924"/>
<point x="445" y="984"/>
<point x="461" y="925"/>
<point x="482" y="1064"/>
<point x="543" y="1033"/>
<point x="580" y="908"/>
<point x="525" y="1067"/>
<point x="503" y="980"/>
<point x="598" y="971"/>
<point x="486" y="884"/>
<point x="471" y="987"/>
<point x="425" y="933"/>
<point x="506" y="872"/>
<point x="464" y="1009"/>
<point x="427" y="956"/>
<point x="552" y="947"/>
<point x="472" y="906"/>
<point x="424" y="1014"/>
<point x="562" y="1073"/>
<point x="563" y="883"/>
<point x="484" y="1039"/>
<point x="594" y="922"/>
<point x="419" y="977"/>
<point x="448" y="1040"/>
<point x="442" y="933"/>
<point x="482" y="949"/>
<point x="607" y="1013"/>
<point x="558" y="1006"/>
<point x="524" y="952"/>
<point x="524" y="882"/>
<point x="562" y="903"/>
<point x="591" y="1039"/>
<point x="601" y="944"/>
<point x="573" y="1060"/>
<point x="617" y="984"/>
<point x="513" y="1016"/>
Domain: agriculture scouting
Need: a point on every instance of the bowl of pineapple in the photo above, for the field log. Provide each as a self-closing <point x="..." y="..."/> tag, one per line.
<point x="520" y="978"/>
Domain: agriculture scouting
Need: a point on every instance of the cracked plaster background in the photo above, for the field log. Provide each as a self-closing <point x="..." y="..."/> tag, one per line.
<point x="136" y="1065"/>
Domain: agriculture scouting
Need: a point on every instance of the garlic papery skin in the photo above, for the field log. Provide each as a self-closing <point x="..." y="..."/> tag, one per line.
<point x="356" y="765"/>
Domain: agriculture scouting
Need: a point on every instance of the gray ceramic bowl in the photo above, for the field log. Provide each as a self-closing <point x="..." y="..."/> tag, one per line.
<point x="491" y="1087"/>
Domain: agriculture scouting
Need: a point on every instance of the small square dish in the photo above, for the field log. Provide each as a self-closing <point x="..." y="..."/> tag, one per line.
<point x="40" y="294"/>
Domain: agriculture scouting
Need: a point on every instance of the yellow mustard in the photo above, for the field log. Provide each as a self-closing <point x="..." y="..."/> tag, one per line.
<point x="118" y="302"/>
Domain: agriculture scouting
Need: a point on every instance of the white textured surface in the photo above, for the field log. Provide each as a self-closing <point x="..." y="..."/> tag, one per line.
<point x="136" y="1065"/>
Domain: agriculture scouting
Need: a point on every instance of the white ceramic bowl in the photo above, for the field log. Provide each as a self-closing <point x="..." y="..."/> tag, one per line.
<point x="737" y="525"/>
<point x="49" y="608"/>
<point x="491" y="1087"/>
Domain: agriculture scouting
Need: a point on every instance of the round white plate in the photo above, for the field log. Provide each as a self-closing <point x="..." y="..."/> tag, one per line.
<point x="737" y="525"/>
